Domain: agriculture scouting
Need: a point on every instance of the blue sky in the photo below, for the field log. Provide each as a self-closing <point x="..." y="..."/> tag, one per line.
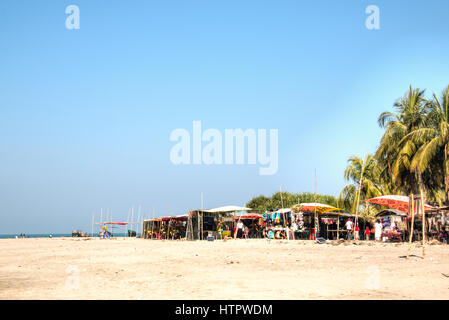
<point x="85" y="115"/>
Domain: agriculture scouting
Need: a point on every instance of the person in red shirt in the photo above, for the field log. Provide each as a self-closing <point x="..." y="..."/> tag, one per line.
<point x="356" y="232"/>
<point x="367" y="233"/>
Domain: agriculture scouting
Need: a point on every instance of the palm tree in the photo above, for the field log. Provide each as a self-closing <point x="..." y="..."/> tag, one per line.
<point x="364" y="174"/>
<point x="396" y="149"/>
<point x="433" y="154"/>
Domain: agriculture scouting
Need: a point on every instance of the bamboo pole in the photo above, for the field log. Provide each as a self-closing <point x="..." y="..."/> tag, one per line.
<point x="92" y="229"/>
<point x="202" y="216"/>
<point x="152" y="224"/>
<point x="168" y="229"/>
<point x="411" y="227"/>
<point x="138" y="218"/>
<point x="132" y="220"/>
<point x="315" y="215"/>
<point x="423" y="225"/>
<point x="338" y="227"/>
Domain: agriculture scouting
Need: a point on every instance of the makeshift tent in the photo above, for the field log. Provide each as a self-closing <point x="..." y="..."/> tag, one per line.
<point x="245" y="215"/>
<point x="204" y="221"/>
<point x="400" y="203"/>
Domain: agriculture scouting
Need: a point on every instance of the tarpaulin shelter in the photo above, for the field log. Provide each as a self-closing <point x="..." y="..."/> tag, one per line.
<point x="246" y="215"/>
<point x="400" y="203"/>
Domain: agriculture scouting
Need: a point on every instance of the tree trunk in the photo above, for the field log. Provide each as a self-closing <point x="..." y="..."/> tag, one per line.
<point x="421" y="185"/>
<point x="446" y="176"/>
<point x="446" y="189"/>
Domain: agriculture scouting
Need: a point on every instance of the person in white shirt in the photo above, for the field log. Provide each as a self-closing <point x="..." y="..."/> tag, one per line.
<point x="378" y="230"/>
<point x="240" y="228"/>
<point x="349" y="224"/>
<point x="293" y="229"/>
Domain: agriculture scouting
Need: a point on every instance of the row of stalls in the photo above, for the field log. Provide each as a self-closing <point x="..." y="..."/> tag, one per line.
<point x="239" y="222"/>
<point x="308" y="221"/>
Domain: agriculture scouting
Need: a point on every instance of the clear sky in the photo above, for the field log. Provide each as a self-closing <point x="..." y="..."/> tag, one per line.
<point x="86" y="115"/>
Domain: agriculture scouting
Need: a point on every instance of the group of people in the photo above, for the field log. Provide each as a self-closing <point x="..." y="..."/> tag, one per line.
<point x="244" y="231"/>
<point x="353" y="229"/>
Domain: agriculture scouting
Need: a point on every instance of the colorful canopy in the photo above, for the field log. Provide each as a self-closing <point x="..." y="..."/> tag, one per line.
<point x="395" y="202"/>
<point x="320" y="207"/>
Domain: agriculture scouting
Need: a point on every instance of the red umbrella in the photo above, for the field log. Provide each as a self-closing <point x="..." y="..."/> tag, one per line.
<point x="395" y="202"/>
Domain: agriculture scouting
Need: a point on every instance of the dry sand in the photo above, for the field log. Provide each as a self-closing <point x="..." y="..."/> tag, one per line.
<point x="124" y="268"/>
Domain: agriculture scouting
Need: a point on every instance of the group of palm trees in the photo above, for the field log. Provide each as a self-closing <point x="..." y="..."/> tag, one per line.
<point x="412" y="157"/>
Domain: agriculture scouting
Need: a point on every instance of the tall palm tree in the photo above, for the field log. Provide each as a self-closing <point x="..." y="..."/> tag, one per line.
<point x="433" y="154"/>
<point x="364" y="175"/>
<point x="396" y="150"/>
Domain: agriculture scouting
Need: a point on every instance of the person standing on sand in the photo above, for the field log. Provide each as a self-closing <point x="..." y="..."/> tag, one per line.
<point x="378" y="228"/>
<point x="349" y="224"/>
<point x="240" y="229"/>
<point x="367" y="233"/>
<point x="294" y="227"/>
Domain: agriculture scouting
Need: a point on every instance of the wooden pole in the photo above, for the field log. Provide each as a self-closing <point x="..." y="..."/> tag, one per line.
<point x="138" y="219"/>
<point x="338" y="227"/>
<point x="413" y="221"/>
<point x="168" y="229"/>
<point x="152" y="229"/>
<point x="92" y="229"/>
<point x="423" y="224"/>
<point x="132" y="219"/>
<point x="315" y="215"/>
<point x="282" y="205"/>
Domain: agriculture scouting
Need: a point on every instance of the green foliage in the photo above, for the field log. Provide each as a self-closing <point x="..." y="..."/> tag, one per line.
<point x="364" y="176"/>
<point x="288" y="200"/>
<point x="414" y="150"/>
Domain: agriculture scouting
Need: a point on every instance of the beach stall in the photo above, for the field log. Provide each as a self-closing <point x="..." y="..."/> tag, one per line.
<point x="251" y="223"/>
<point x="332" y="224"/>
<point x="219" y="223"/>
<point x="311" y="218"/>
<point x="177" y="226"/>
<point x="152" y="228"/>
<point x="276" y="223"/>
<point x="437" y="223"/>
<point x="414" y="209"/>
<point x="394" y="224"/>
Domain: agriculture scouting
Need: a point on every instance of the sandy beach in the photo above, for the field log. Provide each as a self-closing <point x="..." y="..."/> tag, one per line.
<point x="124" y="268"/>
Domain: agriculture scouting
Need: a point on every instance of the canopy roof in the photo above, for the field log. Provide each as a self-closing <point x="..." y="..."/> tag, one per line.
<point x="283" y="210"/>
<point x="395" y="202"/>
<point x="116" y="223"/>
<point x="227" y="209"/>
<point x="320" y="207"/>
<point x="245" y="215"/>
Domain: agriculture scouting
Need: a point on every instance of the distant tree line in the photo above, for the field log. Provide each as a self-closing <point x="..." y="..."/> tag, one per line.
<point x="287" y="200"/>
